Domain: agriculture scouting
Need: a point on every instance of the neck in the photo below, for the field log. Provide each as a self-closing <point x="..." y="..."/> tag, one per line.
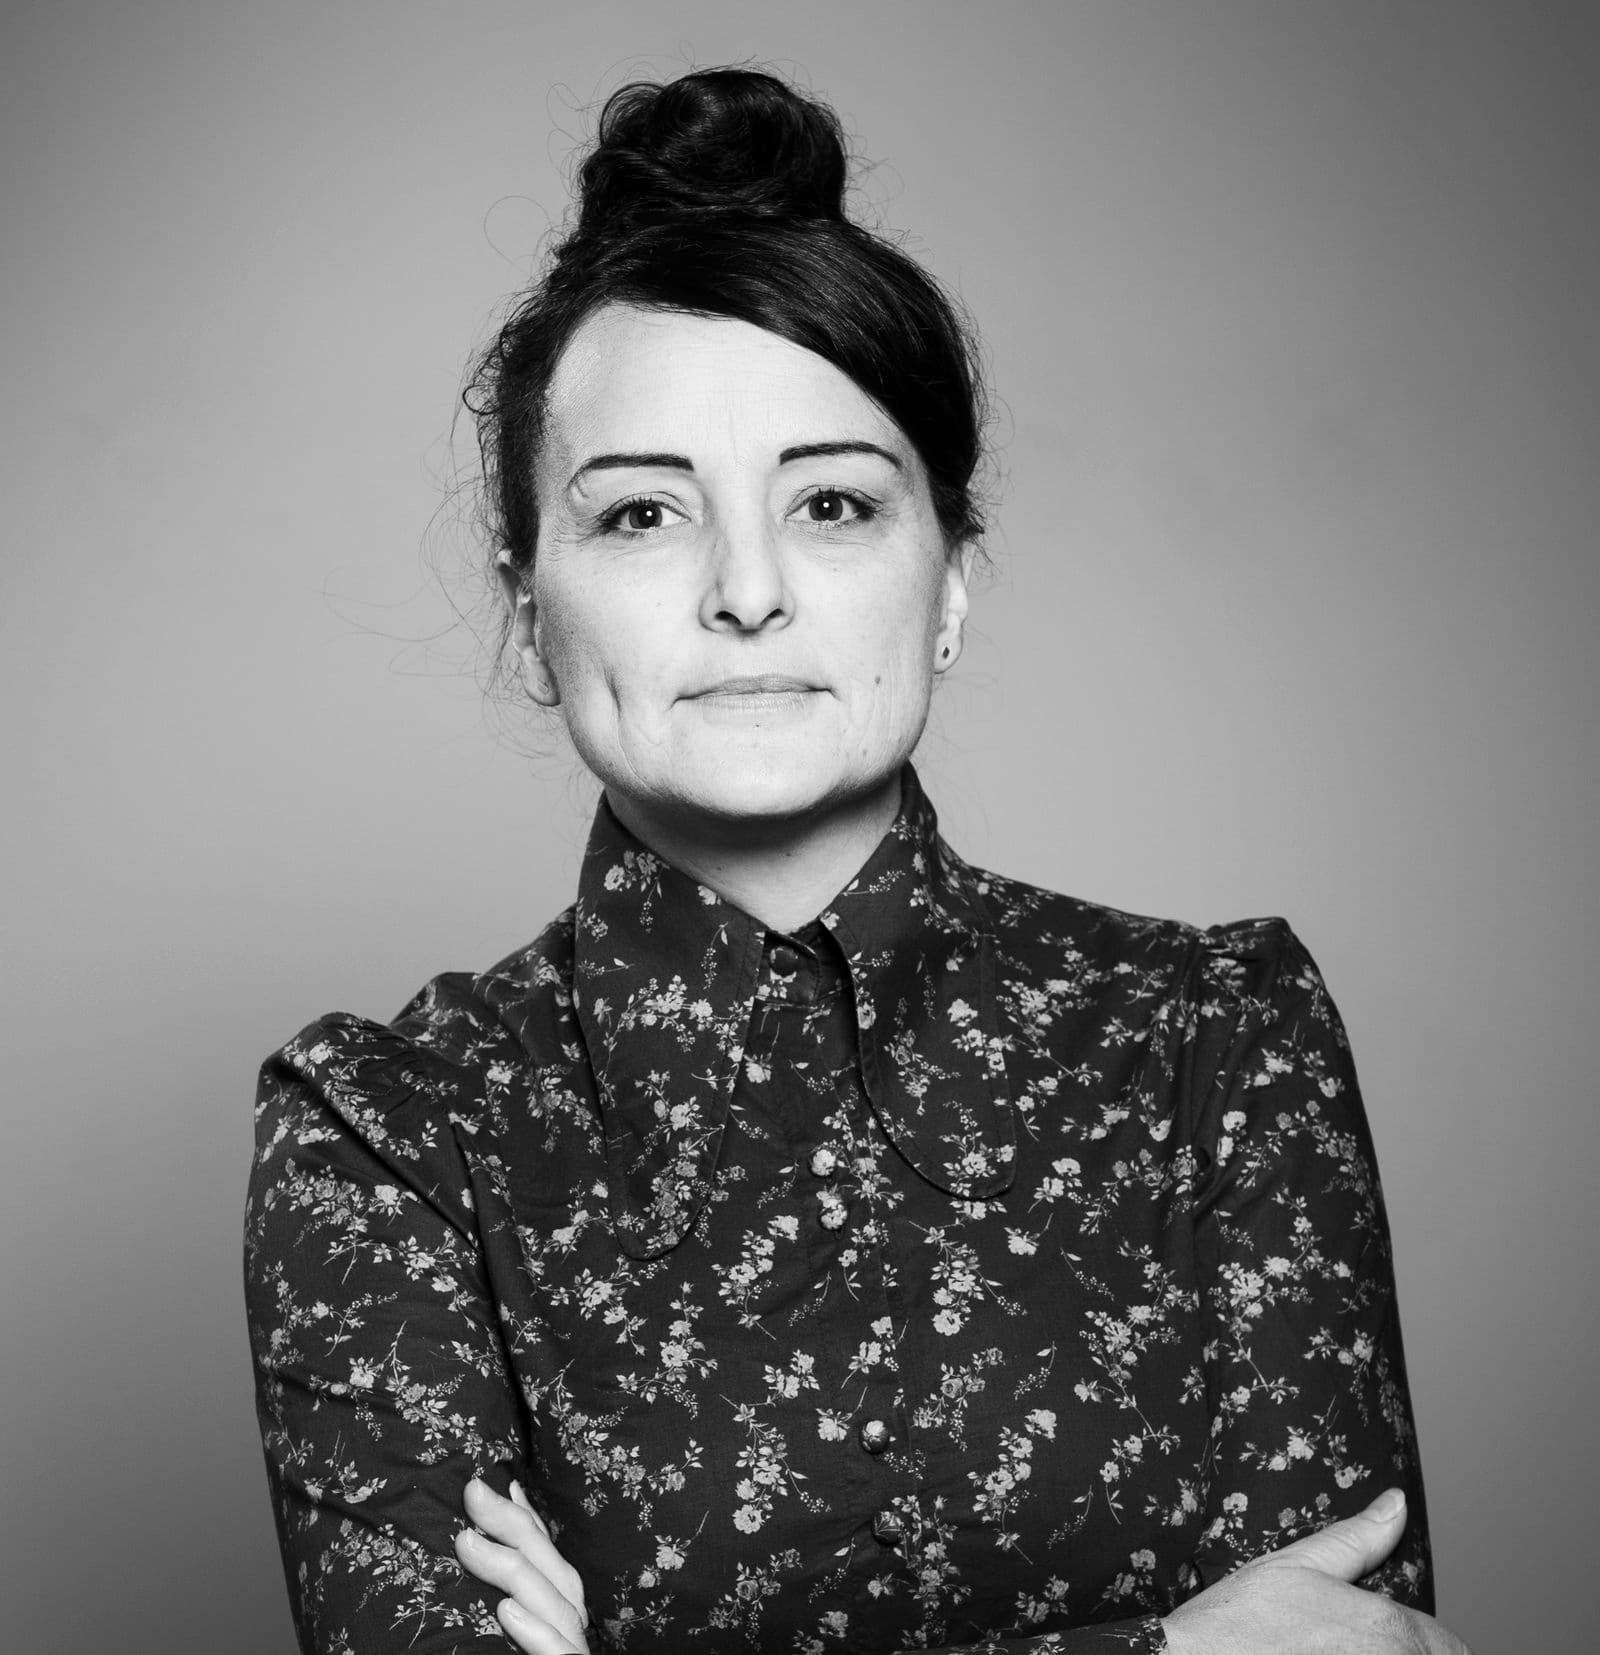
<point x="783" y="872"/>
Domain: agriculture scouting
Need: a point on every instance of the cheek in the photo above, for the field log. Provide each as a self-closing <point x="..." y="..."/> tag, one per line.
<point x="903" y="630"/>
<point x="891" y="665"/>
<point x="611" y="662"/>
<point x="586" y="637"/>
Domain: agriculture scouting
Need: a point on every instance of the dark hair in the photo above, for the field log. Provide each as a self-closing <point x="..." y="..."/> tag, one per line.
<point x="722" y="194"/>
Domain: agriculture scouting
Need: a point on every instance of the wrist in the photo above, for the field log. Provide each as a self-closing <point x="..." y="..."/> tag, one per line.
<point x="1179" y="1639"/>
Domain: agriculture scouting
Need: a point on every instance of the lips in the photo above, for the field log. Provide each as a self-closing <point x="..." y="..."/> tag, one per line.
<point x="767" y="683"/>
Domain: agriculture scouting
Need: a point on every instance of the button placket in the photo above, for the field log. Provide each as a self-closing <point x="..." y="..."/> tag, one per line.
<point x="831" y="1210"/>
<point x="788" y="976"/>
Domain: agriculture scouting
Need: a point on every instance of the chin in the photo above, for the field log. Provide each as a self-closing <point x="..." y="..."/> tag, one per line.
<point x="765" y="792"/>
<point x="773" y="785"/>
<point x="763" y="778"/>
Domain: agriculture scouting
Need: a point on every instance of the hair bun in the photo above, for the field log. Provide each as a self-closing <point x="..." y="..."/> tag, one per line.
<point x="729" y="140"/>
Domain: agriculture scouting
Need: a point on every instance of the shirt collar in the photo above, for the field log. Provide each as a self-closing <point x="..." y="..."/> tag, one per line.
<point x="664" y="976"/>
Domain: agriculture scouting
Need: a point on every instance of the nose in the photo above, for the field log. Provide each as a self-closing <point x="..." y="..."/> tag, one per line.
<point x="748" y="590"/>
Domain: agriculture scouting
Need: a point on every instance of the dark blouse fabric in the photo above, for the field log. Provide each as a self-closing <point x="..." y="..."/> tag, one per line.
<point x="976" y="1266"/>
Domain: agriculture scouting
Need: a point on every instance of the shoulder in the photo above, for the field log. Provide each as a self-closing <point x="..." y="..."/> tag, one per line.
<point x="1050" y="929"/>
<point x="396" y="1086"/>
<point x="1250" y="962"/>
<point x="1245" y="972"/>
<point x="1256" y="975"/>
<point x="1271" y="1068"/>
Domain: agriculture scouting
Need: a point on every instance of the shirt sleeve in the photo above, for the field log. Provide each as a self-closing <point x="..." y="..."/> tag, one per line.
<point x="1304" y="1373"/>
<point x="382" y="1383"/>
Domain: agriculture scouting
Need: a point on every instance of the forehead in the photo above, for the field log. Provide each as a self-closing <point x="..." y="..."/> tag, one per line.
<point x="633" y="379"/>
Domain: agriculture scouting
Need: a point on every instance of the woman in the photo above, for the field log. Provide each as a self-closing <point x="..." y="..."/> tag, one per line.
<point x="810" y="1240"/>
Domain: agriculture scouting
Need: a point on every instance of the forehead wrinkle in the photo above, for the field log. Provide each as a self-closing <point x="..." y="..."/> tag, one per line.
<point x="742" y="395"/>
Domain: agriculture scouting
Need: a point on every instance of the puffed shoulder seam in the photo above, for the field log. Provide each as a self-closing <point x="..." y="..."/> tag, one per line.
<point x="1257" y="938"/>
<point x="1244" y="961"/>
<point x="386" y="1068"/>
<point x="381" y="1073"/>
<point x="1232" y="979"/>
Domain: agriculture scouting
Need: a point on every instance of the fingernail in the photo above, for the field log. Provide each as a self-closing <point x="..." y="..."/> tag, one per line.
<point x="514" y="1612"/>
<point x="470" y="1538"/>
<point x="1388" y="1504"/>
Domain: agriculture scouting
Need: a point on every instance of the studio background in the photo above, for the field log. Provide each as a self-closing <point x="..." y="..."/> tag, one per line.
<point x="1290" y="309"/>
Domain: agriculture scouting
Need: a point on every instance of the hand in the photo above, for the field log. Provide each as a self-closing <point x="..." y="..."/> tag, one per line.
<point x="544" y="1613"/>
<point x="1299" y="1600"/>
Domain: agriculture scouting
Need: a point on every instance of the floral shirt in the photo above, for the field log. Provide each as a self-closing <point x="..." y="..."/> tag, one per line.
<point x="973" y="1267"/>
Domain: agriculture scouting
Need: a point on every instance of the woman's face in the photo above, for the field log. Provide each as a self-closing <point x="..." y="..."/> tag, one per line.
<point x="741" y="592"/>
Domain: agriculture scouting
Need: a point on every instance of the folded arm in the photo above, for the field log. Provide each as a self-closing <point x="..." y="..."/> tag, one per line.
<point x="381" y="1382"/>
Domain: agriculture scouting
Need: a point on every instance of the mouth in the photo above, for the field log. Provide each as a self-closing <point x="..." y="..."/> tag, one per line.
<point x="768" y="683"/>
<point x="757" y="701"/>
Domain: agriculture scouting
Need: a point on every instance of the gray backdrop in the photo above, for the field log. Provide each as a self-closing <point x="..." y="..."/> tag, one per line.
<point x="1291" y="311"/>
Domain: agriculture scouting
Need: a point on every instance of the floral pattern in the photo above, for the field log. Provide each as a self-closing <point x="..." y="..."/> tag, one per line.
<point x="974" y="1268"/>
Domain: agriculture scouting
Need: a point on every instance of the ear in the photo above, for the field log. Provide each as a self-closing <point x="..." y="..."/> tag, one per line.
<point x="536" y="674"/>
<point x="957" y="569"/>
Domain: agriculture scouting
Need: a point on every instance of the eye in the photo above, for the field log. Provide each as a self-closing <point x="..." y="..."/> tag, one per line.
<point x="644" y="514"/>
<point x="836" y="506"/>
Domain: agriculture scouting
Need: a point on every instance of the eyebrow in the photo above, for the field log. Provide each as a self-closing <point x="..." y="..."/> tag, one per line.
<point x="823" y="450"/>
<point x="680" y="462"/>
<point x="623" y="462"/>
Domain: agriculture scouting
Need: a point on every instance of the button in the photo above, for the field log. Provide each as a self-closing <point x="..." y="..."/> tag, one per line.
<point x="875" y="1436"/>
<point x="823" y="1162"/>
<point x="888" y="1526"/>
<point x="784" y="962"/>
<point x="833" y="1213"/>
